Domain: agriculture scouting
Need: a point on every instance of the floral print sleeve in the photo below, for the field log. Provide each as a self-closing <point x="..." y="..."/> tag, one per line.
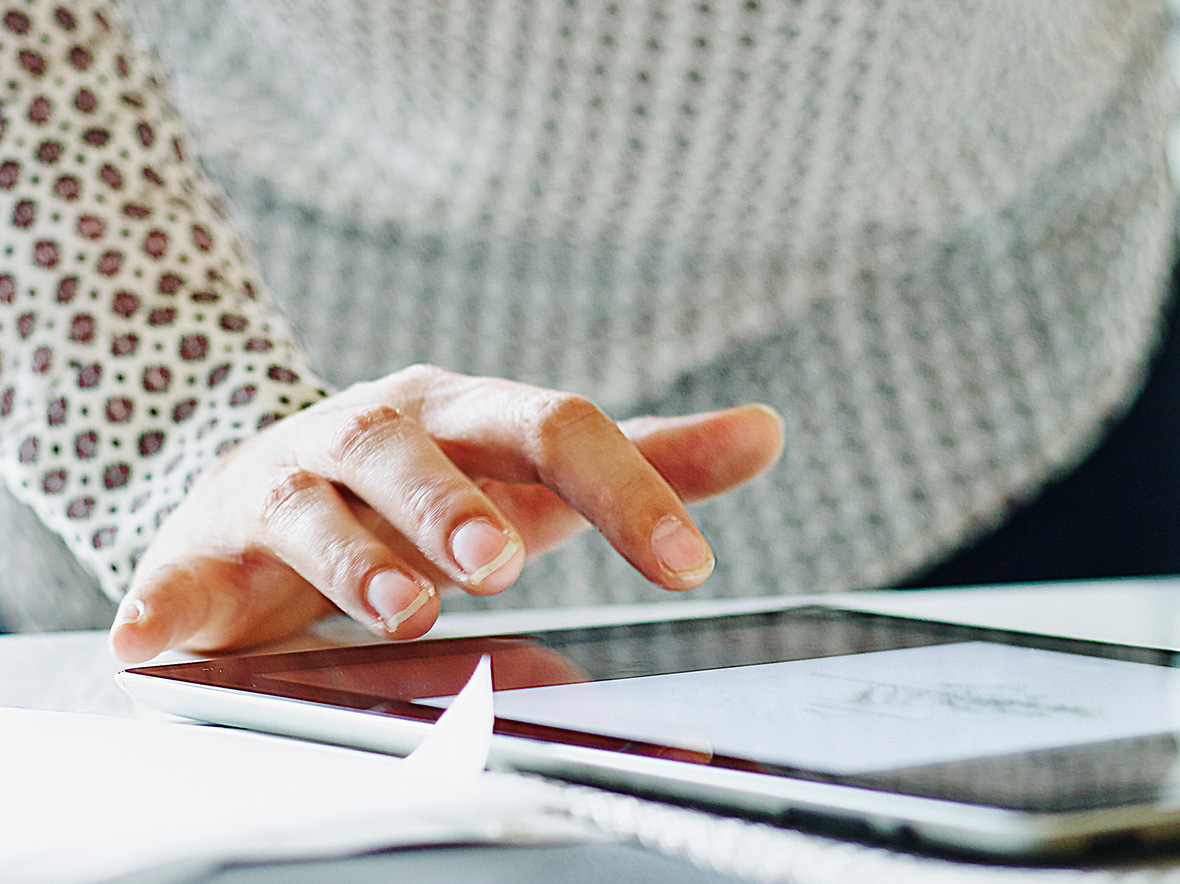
<point x="136" y="342"/>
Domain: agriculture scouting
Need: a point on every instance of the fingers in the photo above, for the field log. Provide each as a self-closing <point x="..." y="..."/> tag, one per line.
<point x="513" y="433"/>
<point x="586" y="460"/>
<point x="567" y="450"/>
<point x="699" y="456"/>
<point x="582" y="465"/>
<point x="365" y="508"/>
<point x="388" y="460"/>
<point x="308" y="525"/>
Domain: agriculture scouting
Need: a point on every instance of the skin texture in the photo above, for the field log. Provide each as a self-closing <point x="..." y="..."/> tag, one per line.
<point x="370" y="501"/>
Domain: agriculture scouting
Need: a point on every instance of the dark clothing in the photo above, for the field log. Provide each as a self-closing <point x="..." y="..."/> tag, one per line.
<point x="1117" y="515"/>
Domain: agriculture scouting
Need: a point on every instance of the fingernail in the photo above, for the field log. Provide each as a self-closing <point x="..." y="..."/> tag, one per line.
<point x="396" y="597"/>
<point x="773" y="412"/>
<point x="481" y="549"/>
<point x="681" y="551"/>
<point x="130" y="611"/>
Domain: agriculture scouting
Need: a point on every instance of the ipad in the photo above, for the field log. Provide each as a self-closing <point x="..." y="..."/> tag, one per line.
<point x="922" y="733"/>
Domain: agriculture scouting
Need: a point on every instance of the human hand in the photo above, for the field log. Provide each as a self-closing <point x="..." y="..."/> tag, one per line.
<point x="371" y="500"/>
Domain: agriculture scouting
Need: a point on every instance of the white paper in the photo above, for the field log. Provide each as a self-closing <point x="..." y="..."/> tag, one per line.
<point x="459" y="743"/>
<point x="874" y="711"/>
<point x="87" y="798"/>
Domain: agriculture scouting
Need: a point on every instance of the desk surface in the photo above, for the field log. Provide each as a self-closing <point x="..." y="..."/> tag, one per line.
<point x="73" y="672"/>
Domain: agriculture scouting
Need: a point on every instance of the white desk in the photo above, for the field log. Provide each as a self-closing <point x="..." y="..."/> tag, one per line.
<point x="73" y="672"/>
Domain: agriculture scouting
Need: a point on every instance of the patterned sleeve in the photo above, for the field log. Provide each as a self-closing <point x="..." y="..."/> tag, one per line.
<point x="136" y="343"/>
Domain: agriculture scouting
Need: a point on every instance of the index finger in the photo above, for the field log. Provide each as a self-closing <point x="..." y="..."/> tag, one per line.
<point x="513" y="432"/>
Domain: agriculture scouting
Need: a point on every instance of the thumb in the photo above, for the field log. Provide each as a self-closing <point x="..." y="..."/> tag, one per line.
<point x="201" y="604"/>
<point x="161" y="612"/>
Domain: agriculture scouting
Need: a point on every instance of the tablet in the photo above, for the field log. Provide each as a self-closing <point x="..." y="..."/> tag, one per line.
<point x="923" y="733"/>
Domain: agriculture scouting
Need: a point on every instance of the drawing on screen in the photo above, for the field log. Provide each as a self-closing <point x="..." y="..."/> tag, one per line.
<point x="842" y="693"/>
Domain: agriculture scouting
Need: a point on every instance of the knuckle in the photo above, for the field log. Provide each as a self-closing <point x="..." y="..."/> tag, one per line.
<point x="421" y="371"/>
<point x="363" y="431"/>
<point x="347" y="568"/>
<point x="561" y="417"/>
<point x="430" y="500"/>
<point x="418" y="383"/>
<point x="288" y="494"/>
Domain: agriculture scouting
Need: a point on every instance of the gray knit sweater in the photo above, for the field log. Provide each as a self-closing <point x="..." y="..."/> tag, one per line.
<point x="934" y="235"/>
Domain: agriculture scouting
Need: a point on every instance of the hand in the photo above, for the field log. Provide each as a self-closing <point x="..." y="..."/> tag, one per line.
<point x="372" y="500"/>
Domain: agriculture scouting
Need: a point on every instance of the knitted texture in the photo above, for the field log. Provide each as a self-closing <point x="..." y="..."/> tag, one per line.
<point x="935" y="236"/>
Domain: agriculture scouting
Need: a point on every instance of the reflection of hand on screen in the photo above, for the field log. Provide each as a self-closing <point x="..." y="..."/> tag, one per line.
<point x="516" y="663"/>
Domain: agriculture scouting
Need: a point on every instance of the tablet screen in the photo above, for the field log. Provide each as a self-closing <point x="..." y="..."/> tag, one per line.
<point x="865" y="713"/>
<point x="988" y="717"/>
